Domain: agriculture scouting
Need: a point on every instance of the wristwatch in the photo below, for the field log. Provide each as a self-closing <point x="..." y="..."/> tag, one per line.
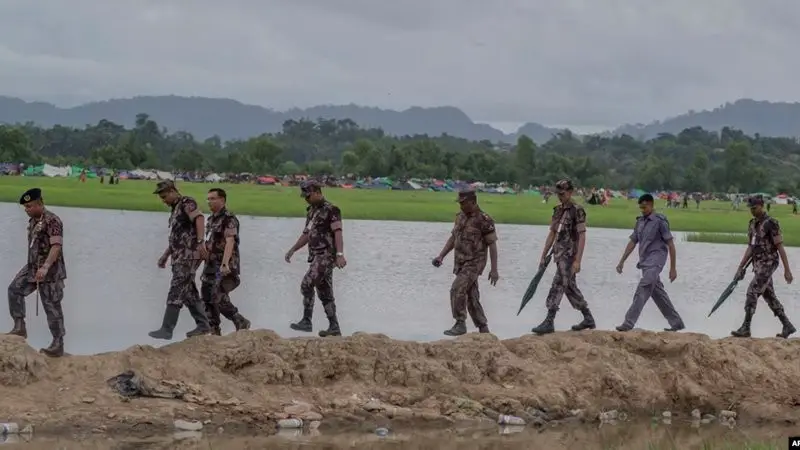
<point x="339" y="254"/>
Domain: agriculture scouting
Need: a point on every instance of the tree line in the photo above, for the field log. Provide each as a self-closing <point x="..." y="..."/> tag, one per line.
<point x="694" y="160"/>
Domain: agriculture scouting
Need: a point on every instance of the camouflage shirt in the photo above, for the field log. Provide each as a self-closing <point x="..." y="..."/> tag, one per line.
<point x="568" y="222"/>
<point x="43" y="234"/>
<point x="472" y="236"/>
<point x="322" y="221"/>
<point x="220" y="226"/>
<point x="764" y="235"/>
<point x="182" y="232"/>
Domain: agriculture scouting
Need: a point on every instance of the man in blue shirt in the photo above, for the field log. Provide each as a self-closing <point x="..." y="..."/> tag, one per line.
<point x="651" y="233"/>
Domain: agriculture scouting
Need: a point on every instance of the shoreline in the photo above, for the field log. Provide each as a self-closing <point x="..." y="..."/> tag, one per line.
<point x="247" y="381"/>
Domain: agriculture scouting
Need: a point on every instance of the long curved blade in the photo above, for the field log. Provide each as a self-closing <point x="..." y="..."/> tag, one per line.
<point x="535" y="282"/>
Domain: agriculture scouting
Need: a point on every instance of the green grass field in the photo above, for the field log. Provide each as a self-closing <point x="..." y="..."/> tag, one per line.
<point x="423" y="206"/>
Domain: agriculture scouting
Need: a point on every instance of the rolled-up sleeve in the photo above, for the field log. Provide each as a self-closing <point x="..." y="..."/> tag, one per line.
<point x="231" y="228"/>
<point x="335" y="218"/>
<point x="190" y="208"/>
<point x="580" y="220"/>
<point x="774" y="232"/>
<point x="55" y="231"/>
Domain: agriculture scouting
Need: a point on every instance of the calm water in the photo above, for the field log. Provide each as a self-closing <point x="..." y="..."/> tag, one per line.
<point x="389" y="285"/>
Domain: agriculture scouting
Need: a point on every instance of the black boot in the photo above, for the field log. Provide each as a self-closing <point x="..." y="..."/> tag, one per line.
<point x="483" y="329"/>
<point x="19" y="328"/>
<point x="168" y="324"/>
<point x="56" y="348"/>
<point x="333" y="328"/>
<point x="198" y="312"/>
<point x="240" y="322"/>
<point x="459" y="328"/>
<point x="547" y="326"/>
<point x="587" y="323"/>
<point x="788" y="328"/>
<point x="744" y="330"/>
<point x="305" y="323"/>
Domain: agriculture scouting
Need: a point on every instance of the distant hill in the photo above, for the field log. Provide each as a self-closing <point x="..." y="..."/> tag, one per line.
<point x="779" y="119"/>
<point x="230" y="119"/>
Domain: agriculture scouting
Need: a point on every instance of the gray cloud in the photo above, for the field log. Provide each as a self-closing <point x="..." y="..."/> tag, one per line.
<point x="582" y="62"/>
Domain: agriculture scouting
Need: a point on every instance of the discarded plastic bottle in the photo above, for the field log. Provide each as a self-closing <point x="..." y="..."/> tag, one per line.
<point x="9" y="428"/>
<point x="510" y="420"/>
<point x="290" y="423"/>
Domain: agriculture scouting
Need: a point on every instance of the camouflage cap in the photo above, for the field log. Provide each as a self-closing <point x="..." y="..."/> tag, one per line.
<point x="564" y="185"/>
<point x="755" y="200"/>
<point x="467" y="194"/>
<point x="163" y="186"/>
<point x="30" y="195"/>
<point x="309" y="186"/>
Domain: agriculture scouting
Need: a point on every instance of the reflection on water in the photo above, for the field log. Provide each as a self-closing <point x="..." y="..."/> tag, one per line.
<point x="388" y="286"/>
<point x="622" y="436"/>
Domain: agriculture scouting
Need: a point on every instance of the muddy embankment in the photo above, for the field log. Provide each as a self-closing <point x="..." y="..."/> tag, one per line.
<point x="249" y="380"/>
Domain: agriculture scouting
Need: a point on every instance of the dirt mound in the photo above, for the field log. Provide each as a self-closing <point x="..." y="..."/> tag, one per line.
<point x="253" y="378"/>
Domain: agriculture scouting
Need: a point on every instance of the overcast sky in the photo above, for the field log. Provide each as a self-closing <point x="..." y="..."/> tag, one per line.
<point x="570" y="62"/>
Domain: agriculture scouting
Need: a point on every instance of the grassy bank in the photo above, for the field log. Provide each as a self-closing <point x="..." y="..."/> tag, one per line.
<point x="423" y="206"/>
<point x="719" y="238"/>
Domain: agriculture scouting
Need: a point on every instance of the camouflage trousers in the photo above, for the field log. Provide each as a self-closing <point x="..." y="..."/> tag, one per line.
<point x="182" y="287"/>
<point x="565" y="283"/>
<point x="215" y="292"/>
<point x="319" y="277"/>
<point x="50" y="293"/>
<point x="761" y="286"/>
<point x="466" y="297"/>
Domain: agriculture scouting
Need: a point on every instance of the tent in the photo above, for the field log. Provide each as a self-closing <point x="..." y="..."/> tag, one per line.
<point x="75" y="172"/>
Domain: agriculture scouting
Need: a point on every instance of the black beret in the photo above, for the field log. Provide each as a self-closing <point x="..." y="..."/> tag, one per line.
<point x="30" y="195"/>
<point x="646" y="198"/>
<point x="565" y="185"/>
<point x="163" y="186"/>
<point x="467" y="194"/>
<point x="755" y="201"/>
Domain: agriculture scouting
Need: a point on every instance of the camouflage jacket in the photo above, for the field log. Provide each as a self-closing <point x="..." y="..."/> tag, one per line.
<point x="472" y="236"/>
<point x="322" y="221"/>
<point x="182" y="233"/>
<point x="220" y="226"/>
<point x="764" y="235"/>
<point x="568" y="222"/>
<point x="43" y="234"/>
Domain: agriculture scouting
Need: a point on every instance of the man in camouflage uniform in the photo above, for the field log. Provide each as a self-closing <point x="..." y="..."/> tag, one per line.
<point x="323" y="234"/>
<point x="567" y="238"/>
<point x="45" y="271"/>
<point x="651" y="233"/>
<point x="766" y="250"/>
<point x="186" y="248"/>
<point x="222" y="269"/>
<point x="472" y="237"/>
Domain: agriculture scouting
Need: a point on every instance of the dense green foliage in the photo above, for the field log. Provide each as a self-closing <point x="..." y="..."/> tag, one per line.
<point x="693" y="160"/>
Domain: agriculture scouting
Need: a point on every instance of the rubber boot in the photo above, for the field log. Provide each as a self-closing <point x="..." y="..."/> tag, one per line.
<point x="19" y="328"/>
<point x="547" y="326"/>
<point x="333" y="328"/>
<point x="744" y="330"/>
<point x="587" y="323"/>
<point x="56" y="348"/>
<point x="240" y="322"/>
<point x="305" y="323"/>
<point x="788" y="328"/>
<point x="198" y="312"/>
<point x="171" y="315"/>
